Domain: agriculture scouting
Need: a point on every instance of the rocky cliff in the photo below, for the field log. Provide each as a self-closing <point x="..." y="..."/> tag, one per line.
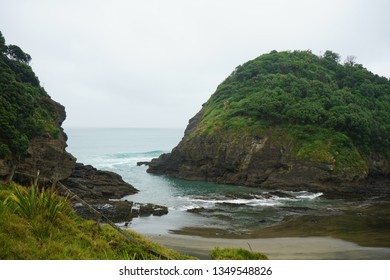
<point x="288" y="120"/>
<point x="31" y="137"/>
<point x="47" y="154"/>
<point x="33" y="142"/>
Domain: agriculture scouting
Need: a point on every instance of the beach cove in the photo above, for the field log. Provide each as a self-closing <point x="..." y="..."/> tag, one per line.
<point x="281" y="224"/>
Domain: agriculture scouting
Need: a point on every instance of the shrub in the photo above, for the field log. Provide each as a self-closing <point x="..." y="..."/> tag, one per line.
<point x="41" y="207"/>
<point x="34" y="202"/>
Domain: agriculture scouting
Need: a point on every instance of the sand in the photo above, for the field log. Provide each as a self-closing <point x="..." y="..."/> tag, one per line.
<point x="286" y="248"/>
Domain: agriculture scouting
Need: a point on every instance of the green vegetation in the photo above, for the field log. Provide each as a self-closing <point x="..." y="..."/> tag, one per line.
<point x="329" y="111"/>
<point x="236" y="254"/>
<point x="26" y="110"/>
<point x="38" y="224"/>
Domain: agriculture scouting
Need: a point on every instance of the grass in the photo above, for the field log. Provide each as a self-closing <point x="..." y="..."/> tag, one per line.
<point x="38" y="224"/>
<point x="236" y="254"/>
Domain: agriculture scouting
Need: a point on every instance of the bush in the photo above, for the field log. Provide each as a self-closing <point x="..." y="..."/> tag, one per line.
<point x="34" y="202"/>
<point x="41" y="207"/>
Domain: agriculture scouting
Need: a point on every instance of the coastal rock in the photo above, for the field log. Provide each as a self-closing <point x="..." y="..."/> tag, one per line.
<point x="244" y="160"/>
<point x="116" y="211"/>
<point x="140" y="163"/>
<point x="46" y="154"/>
<point x="276" y="123"/>
<point x="90" y="183"/>
<point x="119" y="211"/>
<point x="149" y="209"/>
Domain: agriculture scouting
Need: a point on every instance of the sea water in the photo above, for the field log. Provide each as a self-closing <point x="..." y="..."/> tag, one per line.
<point x="235" y="209"/>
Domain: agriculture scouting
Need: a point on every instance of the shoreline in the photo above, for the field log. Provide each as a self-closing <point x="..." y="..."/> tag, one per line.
<point x="278" y="248"/>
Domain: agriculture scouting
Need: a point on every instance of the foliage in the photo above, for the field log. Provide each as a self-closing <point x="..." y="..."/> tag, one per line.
<point x="16" y="53"/>
<point x="34" y="202"/>
<point x="3" y="47"/>
<point x="37" y="224"/>
<point x="327" y="146"/>
<point x="25" y="108"/>
<point x="236" y="254"/>
<point x="298" y="89"/>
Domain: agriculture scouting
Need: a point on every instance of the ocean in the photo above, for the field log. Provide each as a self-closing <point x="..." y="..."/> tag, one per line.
<point x="236" y="210"/>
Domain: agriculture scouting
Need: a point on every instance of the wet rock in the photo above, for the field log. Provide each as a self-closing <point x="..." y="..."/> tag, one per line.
<point x="196" y="210"/>
<point x="247" y="196"/>
<point x="116" y="211"/>
<point x="152" y="209"/>
<point x="140" y="163"/>
<point x="119" y="211"/>
<point x="229" y="204"/>
<point x="201" y="210"/>
<point x="90" y="183"/>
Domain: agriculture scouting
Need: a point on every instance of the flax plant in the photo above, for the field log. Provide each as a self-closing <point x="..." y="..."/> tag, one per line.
<point x="41" y="207"/>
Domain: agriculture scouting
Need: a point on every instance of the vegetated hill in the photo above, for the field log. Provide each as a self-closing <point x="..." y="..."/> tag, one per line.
<point x="31" y="137"/>
<point x="288" y="119"/>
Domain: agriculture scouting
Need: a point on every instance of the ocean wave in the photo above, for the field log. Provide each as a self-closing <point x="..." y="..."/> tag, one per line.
<point x="114" y="161"/>
<point x="309" y="195"/>
<point x="149" y="154"/>
<point x="251" y="200"/>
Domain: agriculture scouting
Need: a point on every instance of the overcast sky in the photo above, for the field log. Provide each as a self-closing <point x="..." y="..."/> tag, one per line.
<point x="153" y="63"/>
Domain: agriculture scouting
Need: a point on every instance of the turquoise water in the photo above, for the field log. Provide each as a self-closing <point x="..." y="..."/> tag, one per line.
<point x="191" y="204"/>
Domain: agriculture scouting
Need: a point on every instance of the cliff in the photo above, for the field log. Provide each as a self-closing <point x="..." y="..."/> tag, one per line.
<point x="288" y="120"/>
<point x="31" y="136"/>
<point x="33" y="142"/>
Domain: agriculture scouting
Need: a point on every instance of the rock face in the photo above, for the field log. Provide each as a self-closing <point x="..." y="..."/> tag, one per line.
<point x="241" y="159"/>
<point x="269" y="162"/>
<point x="45" y="154"/>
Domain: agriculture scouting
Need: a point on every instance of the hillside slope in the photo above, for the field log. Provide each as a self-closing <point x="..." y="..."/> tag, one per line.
<point x="31" y="136"/>
<point x="289" y="119"/>
<point x="33" y="142"/>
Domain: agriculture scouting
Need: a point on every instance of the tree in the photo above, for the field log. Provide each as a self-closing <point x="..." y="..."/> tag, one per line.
<point x="350" y="60"/>
<point x="332" y="56"/>
<point x="3" y="47"/>
<point x="14" y="52"/>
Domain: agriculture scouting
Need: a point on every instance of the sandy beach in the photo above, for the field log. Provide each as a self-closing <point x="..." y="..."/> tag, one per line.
<point x="285" y="248"/>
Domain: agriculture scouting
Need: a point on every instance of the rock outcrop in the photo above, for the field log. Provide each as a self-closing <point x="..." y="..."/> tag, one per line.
<point x="277" y="122"/>
<point x="241" y="159"/>
<point x="46" y="155"/>
<point x="90" y="183"/>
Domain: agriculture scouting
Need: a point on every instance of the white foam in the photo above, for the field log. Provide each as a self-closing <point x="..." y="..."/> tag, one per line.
<point x="309" y="195"/>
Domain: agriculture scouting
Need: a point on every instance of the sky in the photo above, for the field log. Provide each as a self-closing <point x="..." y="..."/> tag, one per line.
<point x="153" y="63"/>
